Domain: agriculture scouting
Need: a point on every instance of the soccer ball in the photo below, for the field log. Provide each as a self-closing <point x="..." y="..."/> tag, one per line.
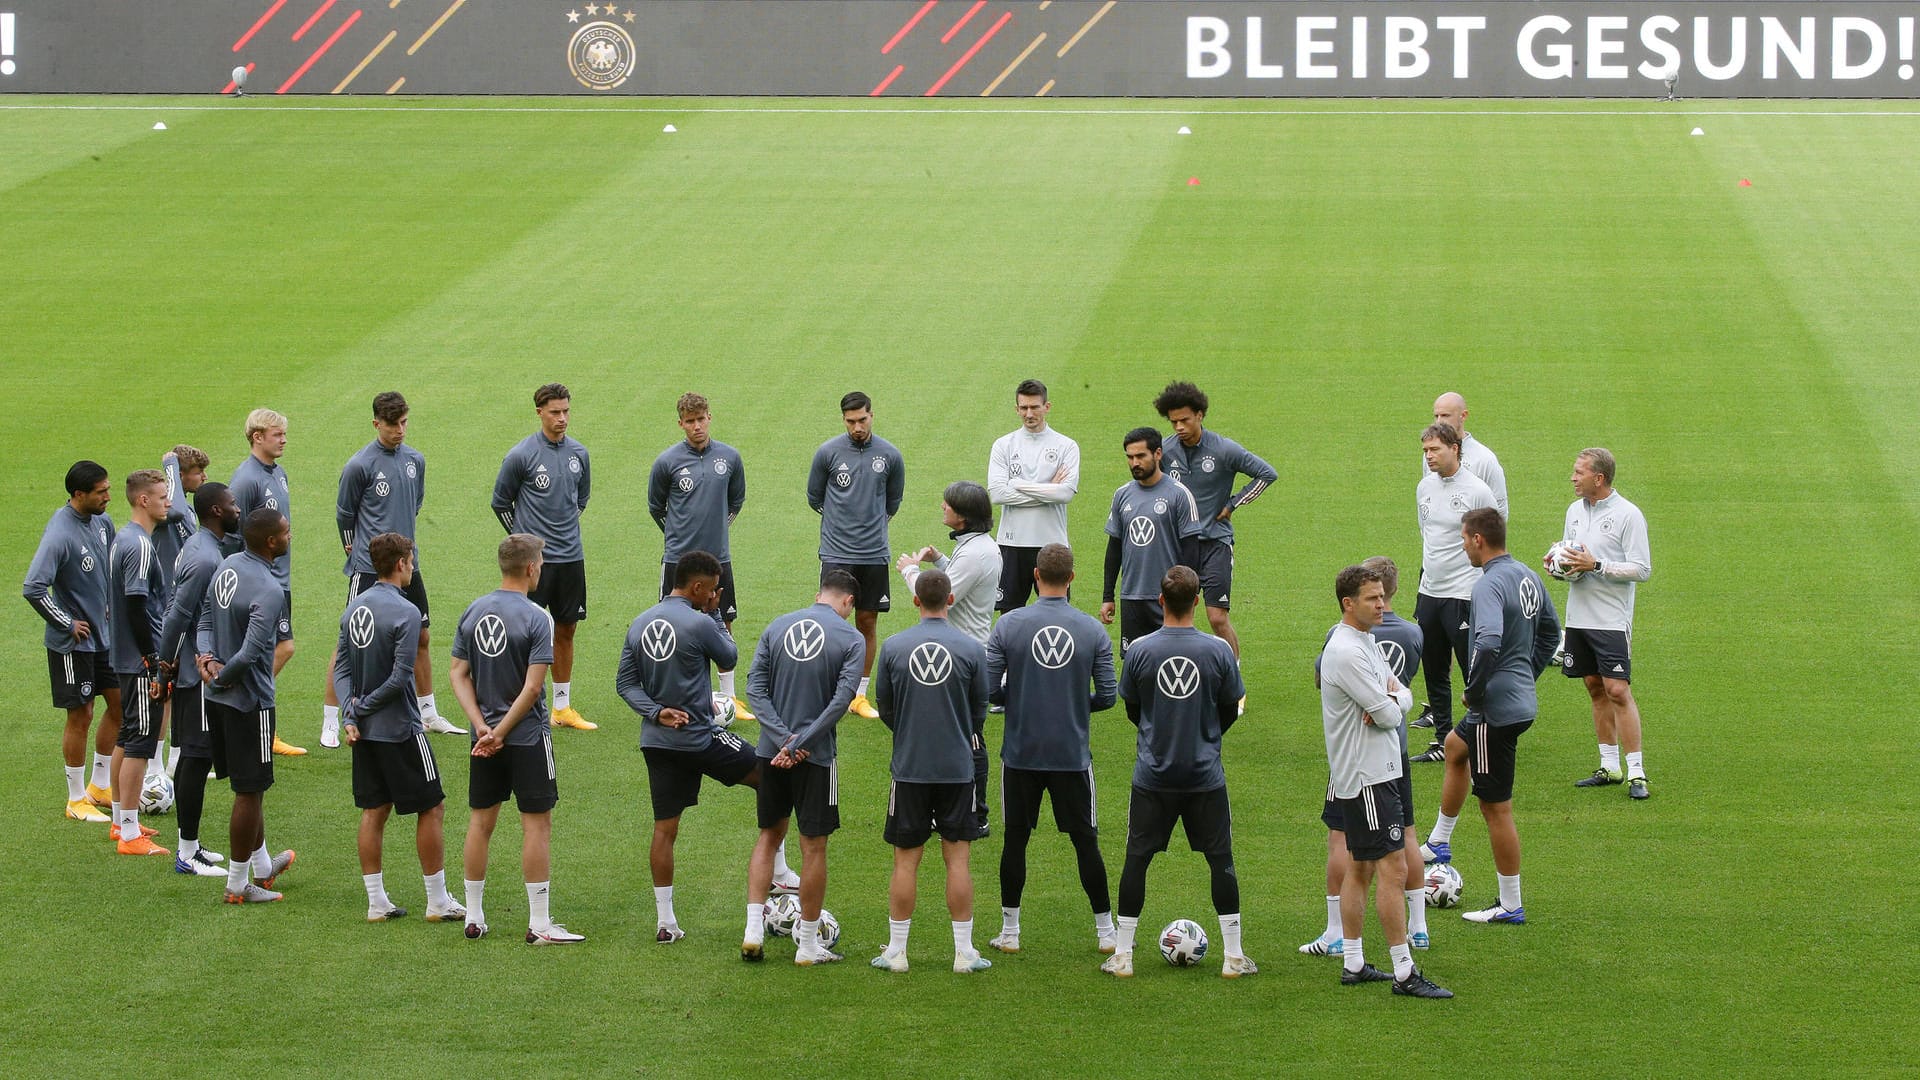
<point x="782" y="913"/>
<point x="1443" y="885"/>
<point x="157" y="796"/>
<point x="722" y="711"/>
<point x="1183" y="943"/>
<point x="829" y="929"/>
<point x="1555" y="561"/>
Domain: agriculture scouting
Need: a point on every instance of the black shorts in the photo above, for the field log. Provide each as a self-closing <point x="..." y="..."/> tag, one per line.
<point x="873" y="580"/>
<point x="78" y="678"/>
<point x="402" y="773"/>
<point x="1606" y="653"/>
<point x="415" y="591"/>
<point x="1207" y="814"/>
<point x="524" y="772"/>
<point x="242" y="745"/>
<point x="1070" y="791"/>
<point x="808" y="793"/>
<point x="1016" y="577"/>
<point x="284" y="632"/>
<point x="1138" y="618"/>
<point x="1375" y="825"/>
<point x="190" y="721"/>
<point x="916" y="811"/>
<point x="1491" y="752"/>
<point x="674" y="775"/>
<point x="1330" y="814"/>
<point x="140" y="718"/>
<point x="563" y="591"/>
<point x="1216" y="573"/>
<point x="729" y="600"/>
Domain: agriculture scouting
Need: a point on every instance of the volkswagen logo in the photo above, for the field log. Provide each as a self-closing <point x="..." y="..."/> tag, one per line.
<point x="805" y="639"/>
<point x="1140" y="531"/>
<point x="491" y="635"/>
<point x="1053" y="647"/>
<point x="1178" y="677"/>
<point x="1395" y="656"/>
<point x="360" y="626"/>
<point x="658" y="640"/>
<point x="930" y="664"/>
<point x="225" y="584"/>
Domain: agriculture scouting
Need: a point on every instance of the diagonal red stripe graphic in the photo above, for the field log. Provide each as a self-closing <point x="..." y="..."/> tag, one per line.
<point x="262" y="21"/>
<point x="968" y="55"/>
<point x="884" y="49"/>
<point x="311" y="19"/>
<point x="888" y="81"/>
<point x="964" y="19"/>
<point x="320" y="52"/>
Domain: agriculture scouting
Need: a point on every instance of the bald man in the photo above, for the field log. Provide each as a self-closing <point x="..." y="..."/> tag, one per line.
<point x="1451" y="409"/>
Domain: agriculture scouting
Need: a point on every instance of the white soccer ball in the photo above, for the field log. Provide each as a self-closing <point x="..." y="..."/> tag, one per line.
<point x="723" y="710"/>
<point x="1183" y="943"/>
<point x="829" y="929"/>
<point x="157" y="796"/>
<point x="1443" y="885"/>
<point x="782" y="913"/>
<point x="1555" y="561"/>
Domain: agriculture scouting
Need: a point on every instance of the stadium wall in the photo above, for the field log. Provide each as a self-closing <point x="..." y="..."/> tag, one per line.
<point x="964" y="48"/>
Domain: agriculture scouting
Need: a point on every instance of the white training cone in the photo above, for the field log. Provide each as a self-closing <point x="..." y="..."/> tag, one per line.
<point x="1184" y="130"/>
<point x="159" y="126"/>
<point x="668" y="130"/>
<point x="1697" y="131"/>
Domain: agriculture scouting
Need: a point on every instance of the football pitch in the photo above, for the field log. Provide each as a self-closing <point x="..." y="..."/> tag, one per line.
<point x="1586" y="274"/>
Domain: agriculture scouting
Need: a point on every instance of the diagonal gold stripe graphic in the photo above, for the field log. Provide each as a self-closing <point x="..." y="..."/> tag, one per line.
<point x="397" y="84"/>
<point x="457" y="4"/>
<point x="365" y="60"/>
<point x="1043" y="89"/>
<point x="1082" y="32"/>
<point x="1002" y="77"/>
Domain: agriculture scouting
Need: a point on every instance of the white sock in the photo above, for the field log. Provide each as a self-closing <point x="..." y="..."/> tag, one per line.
<point x="806" y="935"/>
<point x="476" y="897"/>
<point x="663" y="905"/>
<point x="119" y="822"/>
<point x="1509" y="891"/>
<point x="1333" y="918"/>
<point x="863" y="686"/>
<point x="173" y="761"/>
<point x="427" y="707"/>
<point x="539" y="894"/>
<point x="261" y="862"/>
<point x="437" y="896"/>
<point x="1230" y="933"/>
<point x="76" y="783"/>
<point x="236" y="875"/>
<point x="1610" y="757"/>
<point x="1351" y="955"/>
<point x="102" y="772"/>
<point x="756" y="923"/>
<point x="376" y="891"/>
<point x="897" y="935"/>
<point x="1442" y="830"/>
<point x="780" y="867"/>
<point x="1103" y="923"/>
<point x="1416" y="911"/>
<point x="726" y="684"/>
<point x="130" y="830"/>
<point x="158" y="760"/>
<point x="1124" y="927"/>
<point x="1402" y="960"/>
<point x="1010" y="921"/>
<point x="330" y="715"/>
<point x="189" y="848"/>
<point x="562" y="696"/>
<point x="963" y="936"/>
<point x="1634" y="767"/>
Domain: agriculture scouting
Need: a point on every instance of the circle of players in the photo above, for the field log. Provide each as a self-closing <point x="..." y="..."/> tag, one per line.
<point x="183" y="618"/>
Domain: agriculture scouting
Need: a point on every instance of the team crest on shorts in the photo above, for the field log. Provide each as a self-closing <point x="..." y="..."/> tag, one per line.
<point x="601" y="54"/>
<point x="86" y="689"/>
<point x="1393" y="833"/>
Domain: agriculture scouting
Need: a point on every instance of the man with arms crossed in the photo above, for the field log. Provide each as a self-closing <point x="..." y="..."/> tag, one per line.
<point x="1041" y="659"/>
<point x="236" y="647"/>
<point x="932" y="694"/>
<point x="393" y="767"/>
<point x="1153" y="525"/>
<point x="1033" y="472"/>
<point x="1515" y="632"/>
<point x="193" y="572"/>
<point x="542" y="490"/>
<point x="805" y="671"/>
<point x="1441" y="498"/>
<point x="1182" y="690"/>
<point x="1206" y="462"/>
<point x="502" y="647"/>
<point x="381" y="489"/>
<point x="694" y="492"/>
<point x="663" y="677"/>
<point x="855" y="485"/>
<point x="139" y="602"/>
<point x="1362" y="704"/>
<point x="260" y="483"/>
<point x="68" y="585"/>
<point x="1613" y="559"/>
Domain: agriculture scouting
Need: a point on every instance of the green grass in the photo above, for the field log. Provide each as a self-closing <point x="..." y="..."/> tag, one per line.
<point x="1585" y="273"/>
